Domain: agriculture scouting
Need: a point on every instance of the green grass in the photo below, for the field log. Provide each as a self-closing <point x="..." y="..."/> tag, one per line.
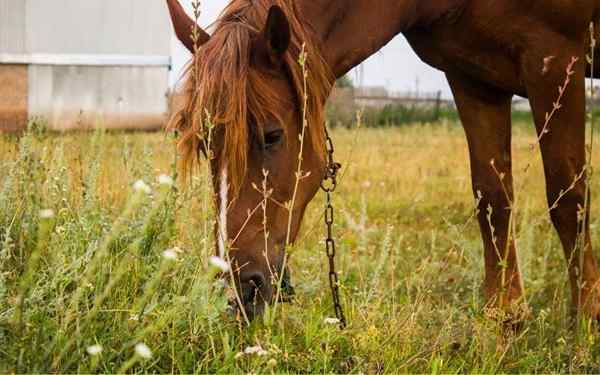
<point x="410" y="259"/>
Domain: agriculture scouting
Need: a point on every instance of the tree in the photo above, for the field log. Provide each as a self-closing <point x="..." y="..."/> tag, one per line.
<point x="345" y="82"/>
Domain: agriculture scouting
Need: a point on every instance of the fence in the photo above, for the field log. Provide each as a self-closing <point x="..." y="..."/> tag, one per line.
<point x="382" y="107"/>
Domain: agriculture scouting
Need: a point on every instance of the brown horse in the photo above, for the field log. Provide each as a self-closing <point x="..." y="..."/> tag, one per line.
<point x="246" y="99"/>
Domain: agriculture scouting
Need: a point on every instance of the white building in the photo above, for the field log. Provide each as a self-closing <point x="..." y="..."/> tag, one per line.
<point x="84" y="63"/>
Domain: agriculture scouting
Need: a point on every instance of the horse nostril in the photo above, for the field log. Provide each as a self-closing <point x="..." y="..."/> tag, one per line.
<point x="257" y="280"/>
<point x="254" y="278"/>
<point x="251" y="284"/>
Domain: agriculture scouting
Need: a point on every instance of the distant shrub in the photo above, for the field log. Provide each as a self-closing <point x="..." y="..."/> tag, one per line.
<point x="342" y="114"/>
<point x="397" y="114"/>
<point x="344" y="82"/>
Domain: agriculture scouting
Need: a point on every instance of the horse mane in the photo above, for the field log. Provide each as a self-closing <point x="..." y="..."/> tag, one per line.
<point x="224" y="94"/>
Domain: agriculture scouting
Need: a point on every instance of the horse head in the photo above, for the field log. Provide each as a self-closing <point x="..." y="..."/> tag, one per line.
<point x="254" y="105"/>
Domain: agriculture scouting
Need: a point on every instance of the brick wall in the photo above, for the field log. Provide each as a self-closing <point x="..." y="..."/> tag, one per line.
<point x="13" y="97"/>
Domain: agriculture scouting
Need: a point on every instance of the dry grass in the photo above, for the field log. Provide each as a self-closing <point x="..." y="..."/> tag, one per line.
<point x="410" y="257"/>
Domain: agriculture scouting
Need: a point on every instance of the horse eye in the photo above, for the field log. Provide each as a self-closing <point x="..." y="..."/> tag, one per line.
<point x="273" y="138"/>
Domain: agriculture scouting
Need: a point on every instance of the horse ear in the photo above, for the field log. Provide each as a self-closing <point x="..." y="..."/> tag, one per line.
<point x="184" y="27"/>
<point x="277" y="31"/>
<point x="276" y="34"/>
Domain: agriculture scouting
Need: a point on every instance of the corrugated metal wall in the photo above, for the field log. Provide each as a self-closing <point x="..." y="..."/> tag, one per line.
<point x="12" y="26"/>
<point x="13" y="78"/>
<point x="88" y="96"/>
<point x="130" y="27"/>
<point x="72" y="97"/>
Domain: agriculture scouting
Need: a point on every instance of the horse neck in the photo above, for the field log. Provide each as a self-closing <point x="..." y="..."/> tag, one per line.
<point x="352" y="30"/>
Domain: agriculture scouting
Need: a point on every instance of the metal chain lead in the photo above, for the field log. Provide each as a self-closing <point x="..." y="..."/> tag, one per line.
<point x="328" y="185"/>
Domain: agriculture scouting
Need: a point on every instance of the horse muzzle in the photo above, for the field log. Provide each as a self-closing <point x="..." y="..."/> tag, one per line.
<point x="255" y="291"/>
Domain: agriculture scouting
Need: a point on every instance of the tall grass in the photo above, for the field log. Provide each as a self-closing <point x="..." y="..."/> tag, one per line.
<point x="88" y="288"/>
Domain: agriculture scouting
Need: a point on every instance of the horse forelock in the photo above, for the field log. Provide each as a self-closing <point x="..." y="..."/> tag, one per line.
<point x="222" y="90"/>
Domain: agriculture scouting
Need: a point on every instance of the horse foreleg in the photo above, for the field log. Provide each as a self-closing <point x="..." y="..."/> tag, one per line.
<point x="486" y="118"/>
<point x="563" y="150"/>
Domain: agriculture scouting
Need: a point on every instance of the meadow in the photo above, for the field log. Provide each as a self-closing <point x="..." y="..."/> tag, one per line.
<point x="86" y="284"/>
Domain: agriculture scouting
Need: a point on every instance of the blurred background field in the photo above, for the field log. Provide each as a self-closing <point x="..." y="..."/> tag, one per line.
<point x="93" y="275"/>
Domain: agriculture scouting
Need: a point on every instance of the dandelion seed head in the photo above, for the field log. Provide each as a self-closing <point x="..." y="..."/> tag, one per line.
<point x="141" y="186"/>
<point x="46" y="214"/>
<point x="94" y="350"/>
<point x="219" y="263"/>
<point x="163" y="179"/>
<point x="143" y="350"/>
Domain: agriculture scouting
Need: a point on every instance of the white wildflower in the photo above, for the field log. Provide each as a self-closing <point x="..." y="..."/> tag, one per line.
<point x="170" y="254"/>
<point x="143" y="350"/>
<point x="94" y="350"/>
<point x="331" y="321"/>
<point x="142" y="187"/>
<point x="258" y="350"/>
<point x="219" y="263"/>
<point x="163" y="179"/>
<point x="46" y="214"/>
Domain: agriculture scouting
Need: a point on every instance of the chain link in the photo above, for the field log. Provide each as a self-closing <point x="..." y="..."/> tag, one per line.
<point x="328" y="185"/>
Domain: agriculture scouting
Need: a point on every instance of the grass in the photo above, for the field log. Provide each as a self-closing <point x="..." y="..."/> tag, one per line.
<point x="410" y="259"/>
